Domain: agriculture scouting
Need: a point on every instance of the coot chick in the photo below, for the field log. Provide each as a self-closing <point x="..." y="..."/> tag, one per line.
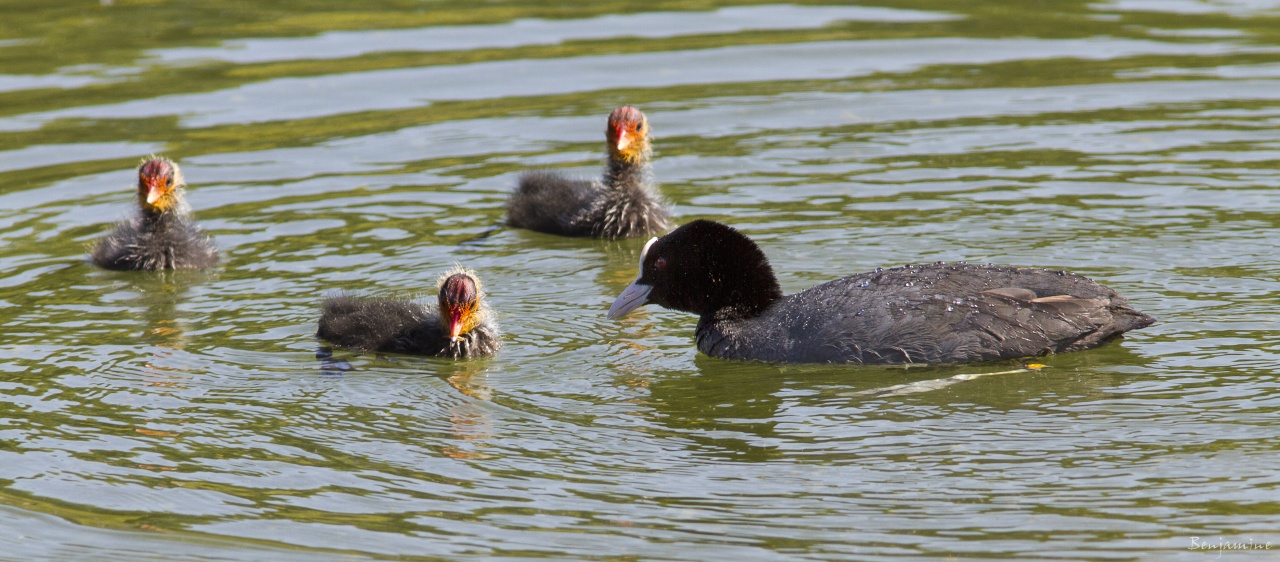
<point x="622" y="204"/>
<point x="163" y="235"/>
<point x="939" y="313"/>
<point x="461" y="325"/>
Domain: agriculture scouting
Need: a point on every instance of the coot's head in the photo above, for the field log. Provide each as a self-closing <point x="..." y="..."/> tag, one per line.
<point x="701" y="267"/>
<point x="460" y="302"/>
<point x="159" y="185"/>
<point x="627" y="134"/>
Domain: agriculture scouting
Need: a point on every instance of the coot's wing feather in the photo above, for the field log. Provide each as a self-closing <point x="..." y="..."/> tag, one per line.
<point x="549" y="202"/>
<point x="380" y="324"/>
<point x="952" y="313"/>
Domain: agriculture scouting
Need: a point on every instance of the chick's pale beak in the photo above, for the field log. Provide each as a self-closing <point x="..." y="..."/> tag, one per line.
<point x="456" y="316"/>
<point x="635" y="296"/>
<point x="624" y="139"/>
<point x="154" y="190"/>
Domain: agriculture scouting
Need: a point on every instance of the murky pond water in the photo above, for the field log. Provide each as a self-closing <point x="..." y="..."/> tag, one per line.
<point x="367" y="148"/>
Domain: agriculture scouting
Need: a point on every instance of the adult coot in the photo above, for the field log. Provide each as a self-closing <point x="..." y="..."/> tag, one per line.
<point x="163" y="235"/>
<point x="623" y="203"/>
<point x="939" y="313"/>
<point x="460" y="326"/>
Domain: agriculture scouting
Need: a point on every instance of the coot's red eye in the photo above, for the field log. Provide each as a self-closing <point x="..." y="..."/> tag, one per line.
<point x="660" y="264"/>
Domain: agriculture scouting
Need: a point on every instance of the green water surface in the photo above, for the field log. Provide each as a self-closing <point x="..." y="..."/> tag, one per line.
<point x="368" y="146"/>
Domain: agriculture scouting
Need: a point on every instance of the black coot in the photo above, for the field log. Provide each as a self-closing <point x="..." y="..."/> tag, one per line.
<point x="939" y="313"/>
<point x="622" y="204"/>
<point x="460" y="326"/>
<point x="163" y="235"/>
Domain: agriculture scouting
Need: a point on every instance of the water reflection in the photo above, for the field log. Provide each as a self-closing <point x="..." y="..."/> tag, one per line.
<point x="728" y="412"/>
<point x="526" y="32"/>
<point x="329" y="366"/>
<point x="403" y="88"/>
<point x="158" y="296"/>
<point x="1237" y="8"/>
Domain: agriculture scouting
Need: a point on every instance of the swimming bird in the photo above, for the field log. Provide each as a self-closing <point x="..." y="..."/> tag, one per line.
<point x="937" y="313"/>
<point x="163" y="235"/>
<point x="623" y="203"/>
<point x="461" y="325"/>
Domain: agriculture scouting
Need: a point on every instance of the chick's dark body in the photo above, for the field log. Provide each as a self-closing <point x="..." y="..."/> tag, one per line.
<point x="156" y="242"/>
<point x="460" y="325"/>
<point x="366" y="324"/>
<point x="622" y="204"/>
<point x="162" y="235"/>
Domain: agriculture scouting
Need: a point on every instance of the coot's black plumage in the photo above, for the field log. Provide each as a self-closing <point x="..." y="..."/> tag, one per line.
<point x="461" y="325"/>
<point x="622" y="204"/>
<point x="163" y="235"/>
<point x="939" y="313"/>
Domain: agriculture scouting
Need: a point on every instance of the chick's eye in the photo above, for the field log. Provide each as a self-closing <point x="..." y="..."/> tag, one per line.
<point x="639" y="127"/>
<point x="660" y="264"/>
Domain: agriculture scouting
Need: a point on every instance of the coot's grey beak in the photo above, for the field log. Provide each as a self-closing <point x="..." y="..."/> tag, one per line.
<point x="635" y="295"/>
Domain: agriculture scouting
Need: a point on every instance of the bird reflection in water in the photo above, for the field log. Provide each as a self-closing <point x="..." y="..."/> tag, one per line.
<point x="469" y="423"/>
<point x="164" y="331"/>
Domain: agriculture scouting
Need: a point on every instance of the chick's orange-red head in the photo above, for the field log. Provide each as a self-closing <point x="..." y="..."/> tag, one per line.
<point x="627" y="133"/>
<point x="459" y="302"/>
<point x="158" y="183"/>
